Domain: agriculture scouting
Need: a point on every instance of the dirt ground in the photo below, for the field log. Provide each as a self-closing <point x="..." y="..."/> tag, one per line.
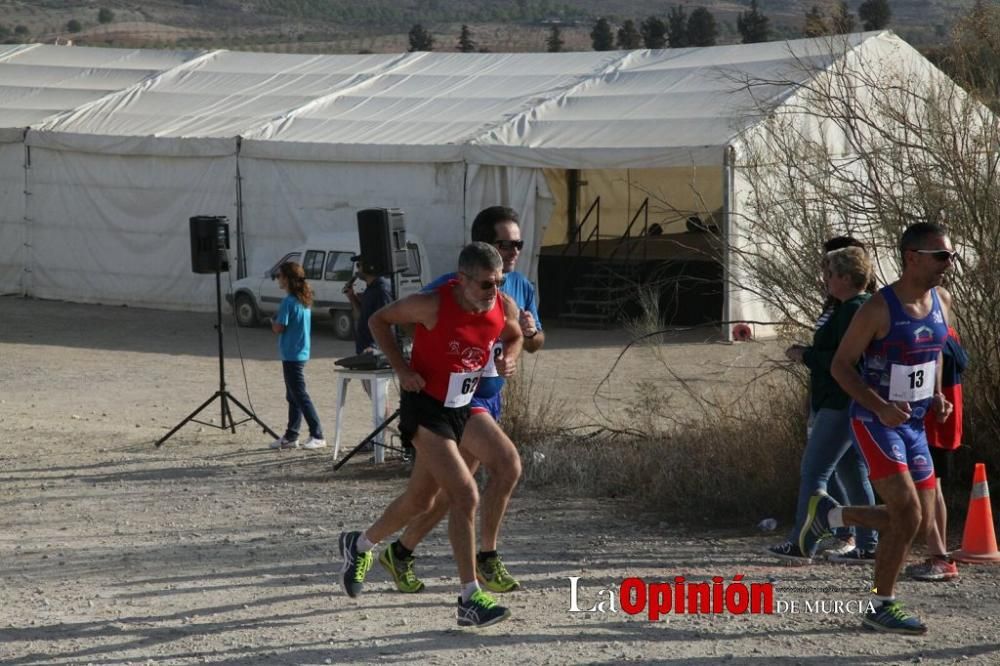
<point x="214" y="549"/>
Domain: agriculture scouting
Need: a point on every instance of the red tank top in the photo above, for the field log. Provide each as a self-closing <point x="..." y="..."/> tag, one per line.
<point x="450" y="357"/>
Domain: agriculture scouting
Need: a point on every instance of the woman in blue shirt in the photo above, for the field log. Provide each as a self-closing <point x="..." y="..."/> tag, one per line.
<point x="292" y="324"/>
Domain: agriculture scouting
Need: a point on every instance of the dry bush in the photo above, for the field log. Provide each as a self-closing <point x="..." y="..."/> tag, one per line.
<point x="867" y="148"/>
<point x="728" y="467"/>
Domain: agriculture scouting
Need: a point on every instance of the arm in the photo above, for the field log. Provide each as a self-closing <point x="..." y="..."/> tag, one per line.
<point x="531" y="327"/>
<point x="280" y="320"/>
<point x="941" y="406"/>
<point x="414" y="309"/>
<point x="822" y="359"/>
<point x="865" y="327"/>
<point x="352" y="297"/>
<point x="511" y="338"/>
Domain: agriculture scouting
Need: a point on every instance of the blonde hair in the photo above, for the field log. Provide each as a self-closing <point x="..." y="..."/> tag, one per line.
<point x="853" y="262"/>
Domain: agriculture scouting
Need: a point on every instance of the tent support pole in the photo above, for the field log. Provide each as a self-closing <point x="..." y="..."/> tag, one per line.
<point x="241" y="248"/>
<point x="728" y="174"/>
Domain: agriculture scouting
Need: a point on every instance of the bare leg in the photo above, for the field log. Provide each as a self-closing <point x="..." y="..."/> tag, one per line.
<point x="484" y="439"/>
<point x="940" y="544"/>
<point x="417" y="497"/>
<point x="897" y="521"/>
<point x="441" y="457"/>
<point x="418" y="528"/>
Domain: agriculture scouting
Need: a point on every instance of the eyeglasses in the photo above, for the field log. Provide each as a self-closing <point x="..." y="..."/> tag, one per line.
<point x="486" y="285"/>
<point x="940" y="255"/>
<point x="507" y="245"/>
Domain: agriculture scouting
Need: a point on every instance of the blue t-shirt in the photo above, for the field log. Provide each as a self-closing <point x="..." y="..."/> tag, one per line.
<point x="293" y="342"/>
<point x="520" y="289"/>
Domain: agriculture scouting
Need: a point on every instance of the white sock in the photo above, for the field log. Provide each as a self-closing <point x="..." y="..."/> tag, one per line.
<point x="836" y="517"/>
<point x="882" y="600"/>
<point x="364" y="545"/>
<point x="469" y="589"/>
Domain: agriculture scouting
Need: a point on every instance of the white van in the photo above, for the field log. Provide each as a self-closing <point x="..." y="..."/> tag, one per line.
<point x="326" y="260"/>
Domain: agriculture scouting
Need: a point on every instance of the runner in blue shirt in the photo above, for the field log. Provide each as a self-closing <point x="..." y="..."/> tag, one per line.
<point x="899" y="333"/>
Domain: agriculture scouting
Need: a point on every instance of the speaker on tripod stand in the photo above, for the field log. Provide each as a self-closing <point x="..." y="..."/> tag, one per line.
<point x="210" y="254"/>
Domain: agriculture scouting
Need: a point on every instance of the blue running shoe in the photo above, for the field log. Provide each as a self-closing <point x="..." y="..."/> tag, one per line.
<point x="356" y="564"/>
<point x="816" y="525"/>
<point x="891" y="618"/>
<point x="480" y="611"/>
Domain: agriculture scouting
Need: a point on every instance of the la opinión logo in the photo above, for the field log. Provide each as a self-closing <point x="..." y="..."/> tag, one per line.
<point x="635" y="596"/>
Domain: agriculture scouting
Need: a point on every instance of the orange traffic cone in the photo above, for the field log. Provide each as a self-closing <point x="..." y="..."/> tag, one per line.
<point x="979" y="541"/>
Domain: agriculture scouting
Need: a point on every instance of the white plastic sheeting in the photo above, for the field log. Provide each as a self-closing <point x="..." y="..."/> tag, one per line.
<point x="285" y="201"/>
<point x="12" y="223"/>
<point x="126" y="145"/>
<point x="91" y="239"/>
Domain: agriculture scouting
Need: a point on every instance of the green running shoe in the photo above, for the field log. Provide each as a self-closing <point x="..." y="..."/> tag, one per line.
<point x="890" y="617"/>
<point x="401" y="571"/>
<point x="494" y="576"/>
<point x="356" y="564"/>
<point x="480" y="611"/>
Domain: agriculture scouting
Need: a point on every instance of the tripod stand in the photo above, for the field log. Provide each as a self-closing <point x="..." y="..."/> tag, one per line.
<point x="224" y="396"/>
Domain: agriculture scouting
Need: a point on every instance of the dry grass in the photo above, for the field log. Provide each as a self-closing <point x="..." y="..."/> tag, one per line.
<point x="725" y="462"/>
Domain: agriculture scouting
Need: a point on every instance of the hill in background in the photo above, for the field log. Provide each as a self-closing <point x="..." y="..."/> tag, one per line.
<point x="352" y="26"/>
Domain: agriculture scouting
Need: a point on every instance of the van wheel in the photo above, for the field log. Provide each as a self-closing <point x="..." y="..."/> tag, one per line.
<point x="246" y="311"/>
<point x="343" y="324"/>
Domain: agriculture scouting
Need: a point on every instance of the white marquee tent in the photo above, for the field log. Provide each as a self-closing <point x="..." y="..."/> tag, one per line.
<point x="105" y="153"/>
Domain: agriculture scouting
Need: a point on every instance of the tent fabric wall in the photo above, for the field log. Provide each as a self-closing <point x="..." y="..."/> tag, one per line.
<point x="284" y="201"/>
<point x="93" y="240"/>
<point x="437" y="134"/>
<point x="12" y="223"/>
<point x="524" y="190"/>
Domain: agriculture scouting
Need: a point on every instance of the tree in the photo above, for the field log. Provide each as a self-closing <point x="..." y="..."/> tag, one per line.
<point x="875" y="14"/>
<point x="654" y="33"/>
<point x="677" y="27"/>
<point x="73" y="26"/>
<point x="753" y="25"/>
<point x="815" y="23"/>
<point x="21" y="30"/>
<point x="628" y="37"/>
<point x="842" y="20"/>
<point x="554" y="43"/>
<point x="465" y="43"/>
<point x="105" y="15"/>
<point x="420" y="39"/>
<point x="601" y="36"/>
<point x="701" y="28"/>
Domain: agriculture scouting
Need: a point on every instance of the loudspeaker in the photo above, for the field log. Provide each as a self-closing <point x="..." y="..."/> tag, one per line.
<point x="209" y="242"/>
<point x="382" y="234"/>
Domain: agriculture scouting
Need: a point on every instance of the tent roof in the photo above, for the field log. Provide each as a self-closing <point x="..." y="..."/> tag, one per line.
<point x="39" y="81"/>
<point x="610" y="109"/>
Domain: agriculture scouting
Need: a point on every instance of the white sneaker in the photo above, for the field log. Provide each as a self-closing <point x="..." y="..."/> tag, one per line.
<point x="283" y="443"/>
<point x="314" y="443"/>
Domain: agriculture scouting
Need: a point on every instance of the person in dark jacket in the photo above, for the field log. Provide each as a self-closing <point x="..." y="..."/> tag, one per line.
<point x="829" y="447"/>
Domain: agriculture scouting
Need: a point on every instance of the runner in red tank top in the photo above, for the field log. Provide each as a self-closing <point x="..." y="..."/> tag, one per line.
<point x="456" y="327"/>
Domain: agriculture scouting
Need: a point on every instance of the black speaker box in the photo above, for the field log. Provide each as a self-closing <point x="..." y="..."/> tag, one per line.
<point x="382" y="234"/>
<point x="209" y="242"/>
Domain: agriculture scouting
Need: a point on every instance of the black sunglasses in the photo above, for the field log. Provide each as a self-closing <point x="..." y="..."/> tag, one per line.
<point x="509" y="245"/>
<point x="940" y="255"/>
<point x="487" y="284"/>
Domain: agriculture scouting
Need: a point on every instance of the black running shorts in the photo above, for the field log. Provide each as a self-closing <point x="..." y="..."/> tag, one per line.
<point x="420" y="409"/>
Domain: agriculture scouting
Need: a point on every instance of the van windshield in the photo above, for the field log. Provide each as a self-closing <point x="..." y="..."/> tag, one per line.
<point x="291" y="256"/>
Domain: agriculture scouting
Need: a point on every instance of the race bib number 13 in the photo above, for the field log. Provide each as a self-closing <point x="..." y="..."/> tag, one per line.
<point x="911" y="383"/>
<point x="461" y="387"/>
